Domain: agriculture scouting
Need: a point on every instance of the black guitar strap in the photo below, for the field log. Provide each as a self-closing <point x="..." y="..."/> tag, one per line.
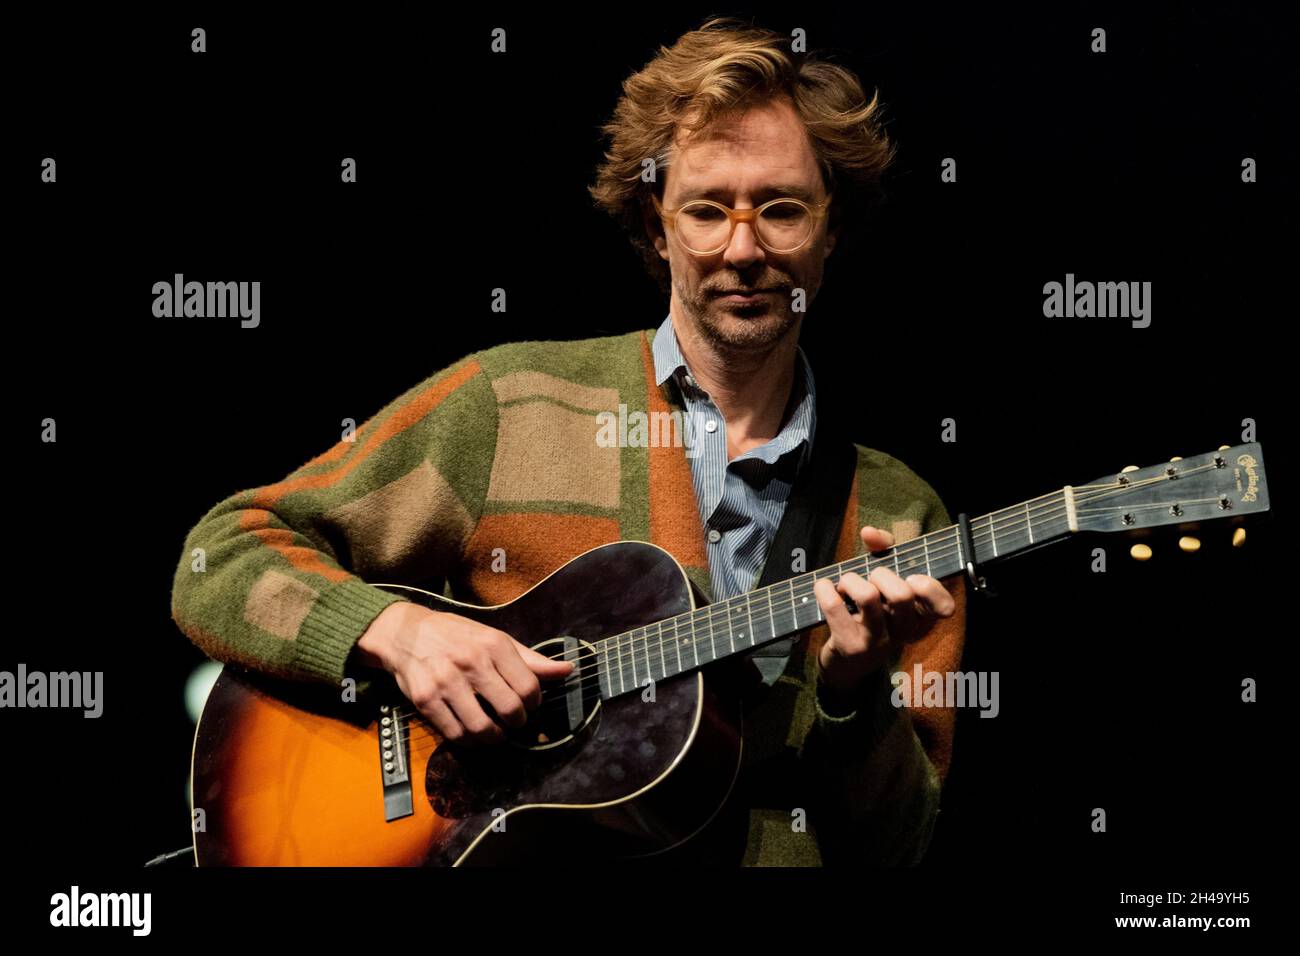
<point x="814" y="512"/>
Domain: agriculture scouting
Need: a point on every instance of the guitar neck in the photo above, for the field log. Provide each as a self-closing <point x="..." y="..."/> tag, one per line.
<point x="737" y="625"/>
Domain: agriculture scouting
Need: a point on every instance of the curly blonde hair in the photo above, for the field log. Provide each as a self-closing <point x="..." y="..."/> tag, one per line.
<point x="723" y="66"/>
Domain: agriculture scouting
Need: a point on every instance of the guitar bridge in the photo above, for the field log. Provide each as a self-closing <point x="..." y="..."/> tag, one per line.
<point x="393" y="738"/>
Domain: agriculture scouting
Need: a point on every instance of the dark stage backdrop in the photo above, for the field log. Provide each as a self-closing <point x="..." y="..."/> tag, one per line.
<point x="1119" y="690"/>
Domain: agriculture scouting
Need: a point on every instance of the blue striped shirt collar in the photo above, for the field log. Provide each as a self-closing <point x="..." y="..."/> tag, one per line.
<point x="798" y="431"/>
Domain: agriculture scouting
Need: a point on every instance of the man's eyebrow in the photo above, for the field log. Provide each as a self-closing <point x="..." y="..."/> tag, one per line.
<point x="717" y="193"/>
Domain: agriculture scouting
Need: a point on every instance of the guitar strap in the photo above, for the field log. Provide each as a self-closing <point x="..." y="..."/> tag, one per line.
<point x="814" y="512"/>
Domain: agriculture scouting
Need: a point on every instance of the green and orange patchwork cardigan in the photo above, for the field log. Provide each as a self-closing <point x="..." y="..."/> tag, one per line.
<point x="498" y="454"/>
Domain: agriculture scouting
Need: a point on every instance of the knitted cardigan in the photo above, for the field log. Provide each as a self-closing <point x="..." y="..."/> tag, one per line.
<point x="488" y="476"/>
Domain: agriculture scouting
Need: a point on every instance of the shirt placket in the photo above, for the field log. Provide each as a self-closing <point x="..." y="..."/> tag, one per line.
<point x="711" y="431"/>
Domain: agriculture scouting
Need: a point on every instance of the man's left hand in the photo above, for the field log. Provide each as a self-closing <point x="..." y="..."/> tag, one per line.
<point x="890" y="609"/>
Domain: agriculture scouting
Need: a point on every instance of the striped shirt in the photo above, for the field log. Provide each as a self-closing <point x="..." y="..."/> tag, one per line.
<point x="741" y="501"/>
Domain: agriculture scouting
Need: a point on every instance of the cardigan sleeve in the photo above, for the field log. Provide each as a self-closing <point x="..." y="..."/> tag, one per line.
<point x="876" y="772"/>
<point x="275" y="577"/>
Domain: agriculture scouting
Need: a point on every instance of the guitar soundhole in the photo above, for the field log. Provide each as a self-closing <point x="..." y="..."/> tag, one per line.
<point x="461" y="780"/>
<point x="568" y="706"/>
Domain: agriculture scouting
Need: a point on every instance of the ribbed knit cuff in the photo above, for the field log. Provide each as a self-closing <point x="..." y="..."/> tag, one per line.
<point x="871" y="717"/>
<point x="334" y="625"/>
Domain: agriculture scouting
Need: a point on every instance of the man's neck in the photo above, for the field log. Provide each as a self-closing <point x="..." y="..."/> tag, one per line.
<point x="750" y="387"/>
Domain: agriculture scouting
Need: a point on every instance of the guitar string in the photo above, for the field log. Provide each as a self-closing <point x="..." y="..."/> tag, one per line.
<point x="559" y="693"/>
<point x="783" y="606"/>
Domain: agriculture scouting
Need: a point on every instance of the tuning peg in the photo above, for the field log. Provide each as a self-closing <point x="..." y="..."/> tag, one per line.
<point x="1224" y="447"/>
<point x="1189" y="544"/>
<point x="1140" y="552"/>
<point x="1238" y="537"/>
<point x="1176" y="458"/>
<point x="1128" y="468"/>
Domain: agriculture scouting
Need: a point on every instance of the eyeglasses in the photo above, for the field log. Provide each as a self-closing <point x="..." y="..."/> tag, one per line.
<point x="705" y="227"/>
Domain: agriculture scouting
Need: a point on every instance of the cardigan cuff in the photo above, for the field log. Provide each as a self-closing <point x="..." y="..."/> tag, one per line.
<point x="335" y="623"/>
<point x="871" y="714"/>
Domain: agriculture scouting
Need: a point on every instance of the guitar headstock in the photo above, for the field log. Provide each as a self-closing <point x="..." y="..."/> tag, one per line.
<point x="1226" y="483"/>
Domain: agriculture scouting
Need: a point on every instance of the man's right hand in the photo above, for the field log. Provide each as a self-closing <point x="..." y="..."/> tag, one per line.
<point x="442" y="660"/>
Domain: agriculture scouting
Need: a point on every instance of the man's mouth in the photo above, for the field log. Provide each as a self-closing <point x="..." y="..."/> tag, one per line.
<point x="744" y="295"/>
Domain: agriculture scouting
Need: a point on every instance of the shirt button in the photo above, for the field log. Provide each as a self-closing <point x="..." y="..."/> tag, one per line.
<point x="715" y="535"/>
<point x="711" y="426"/>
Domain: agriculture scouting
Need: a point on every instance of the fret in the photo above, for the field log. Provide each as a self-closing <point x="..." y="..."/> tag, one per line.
<point x="663" y="654"/>
<point x="731" y="631"/>
<point x="631" y="653"/>
<point x="695" y="644"/>
<point x="993" y="537"/>
<point x="708" y="617"/>
<point x="677" y="642"/>
<point x="623" y="664"/>
<point x="618" y="648"/>
<point x="925" y="543"/>
<point x="1029" y="524"/>
<point x="810" y="599"/>
<point x="602" y="671"/>
<point x="895" y="560"/>
<point x="648" y="674"/>
<point x="771" y="618"/>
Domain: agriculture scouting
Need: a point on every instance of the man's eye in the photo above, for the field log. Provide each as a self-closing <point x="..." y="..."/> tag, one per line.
<point x="705" y="214"/>
<point x="783" y="212"/>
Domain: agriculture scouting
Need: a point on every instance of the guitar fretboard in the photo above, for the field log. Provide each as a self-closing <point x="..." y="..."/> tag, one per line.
<point x="664" y="649"/>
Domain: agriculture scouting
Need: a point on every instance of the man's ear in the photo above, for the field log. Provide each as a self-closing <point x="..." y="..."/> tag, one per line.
<point x="654" y="228"/>
<point x="833" y="224"/>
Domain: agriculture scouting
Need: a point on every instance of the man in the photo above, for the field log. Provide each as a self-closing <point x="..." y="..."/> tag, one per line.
<point x="488" y="476"/>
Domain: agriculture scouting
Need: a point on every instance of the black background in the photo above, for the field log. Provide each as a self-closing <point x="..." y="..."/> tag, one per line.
<point x="1119" y="690"/>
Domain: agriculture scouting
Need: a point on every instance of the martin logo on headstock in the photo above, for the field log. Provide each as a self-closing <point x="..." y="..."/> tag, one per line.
<point x="1251" y="467"/>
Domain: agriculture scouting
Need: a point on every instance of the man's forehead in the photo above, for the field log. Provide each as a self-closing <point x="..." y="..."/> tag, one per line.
<point x="766" y="146"/>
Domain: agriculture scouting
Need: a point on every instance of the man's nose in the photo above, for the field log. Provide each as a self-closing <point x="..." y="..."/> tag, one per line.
<point x="743" y="250"/>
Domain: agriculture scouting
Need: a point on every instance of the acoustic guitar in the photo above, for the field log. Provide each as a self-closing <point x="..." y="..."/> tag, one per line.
<point x="638" y="747"/>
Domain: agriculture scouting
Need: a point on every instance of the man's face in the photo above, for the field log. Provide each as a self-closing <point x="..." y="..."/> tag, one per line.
<point x="742" y="161"/>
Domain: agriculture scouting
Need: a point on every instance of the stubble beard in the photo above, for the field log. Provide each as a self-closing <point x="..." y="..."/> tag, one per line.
<point x="740" y="328"/>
